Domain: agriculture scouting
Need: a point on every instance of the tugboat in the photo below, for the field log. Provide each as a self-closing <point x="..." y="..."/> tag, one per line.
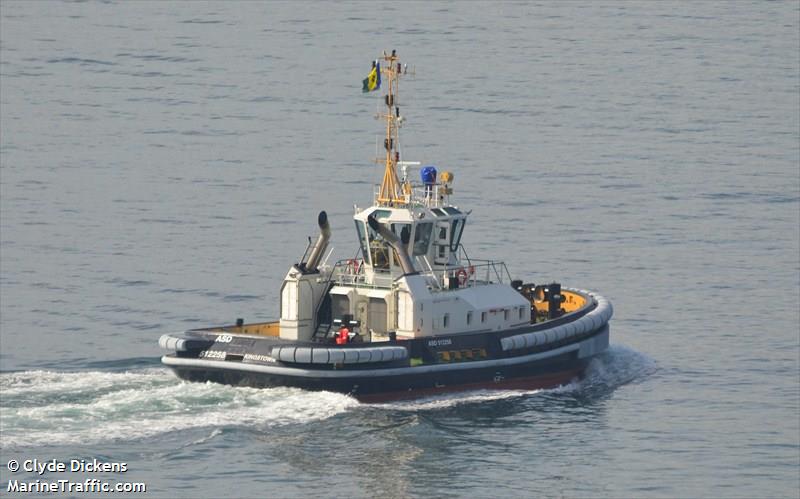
<point x="412" y="315"/>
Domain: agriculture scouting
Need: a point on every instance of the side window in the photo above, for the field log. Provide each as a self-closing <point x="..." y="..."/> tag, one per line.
<point x="457" y="230"/>
<point x="483" y="316"/>
<point x="362" y="239"/>
<point x="469" y="318"/>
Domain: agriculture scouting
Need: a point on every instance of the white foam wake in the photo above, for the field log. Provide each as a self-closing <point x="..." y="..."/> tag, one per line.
<point x="53" y="408"/>
<point x="60" y="408"/>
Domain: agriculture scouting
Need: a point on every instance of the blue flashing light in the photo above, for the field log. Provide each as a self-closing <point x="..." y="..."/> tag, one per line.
<point x="428" y="174"/>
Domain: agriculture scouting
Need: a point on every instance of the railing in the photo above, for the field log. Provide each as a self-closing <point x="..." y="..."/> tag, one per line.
<point x="433" y="196"/>
<point x="471" y="273"/>
<point x="475" y="273"/>
<point x="428" y="271"/>
<point x="350" y="272"/>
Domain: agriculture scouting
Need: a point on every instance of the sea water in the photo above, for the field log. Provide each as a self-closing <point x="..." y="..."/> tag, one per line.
<point x="163" y="164"/>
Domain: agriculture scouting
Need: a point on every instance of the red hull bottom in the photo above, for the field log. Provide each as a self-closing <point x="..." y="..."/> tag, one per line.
<point x="522" y="383"/>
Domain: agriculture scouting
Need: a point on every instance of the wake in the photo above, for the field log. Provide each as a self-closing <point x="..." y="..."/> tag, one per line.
<point x="54" y="408"/>
<point x="44" y="408"/>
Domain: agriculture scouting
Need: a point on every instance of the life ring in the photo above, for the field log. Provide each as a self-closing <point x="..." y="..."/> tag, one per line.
<point x="462" y="276"/>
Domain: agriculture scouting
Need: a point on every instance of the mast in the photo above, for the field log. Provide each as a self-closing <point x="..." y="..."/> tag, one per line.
<point x="391" y="193"/>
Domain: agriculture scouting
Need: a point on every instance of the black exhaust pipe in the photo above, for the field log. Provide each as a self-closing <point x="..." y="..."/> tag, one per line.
<point x="322" y="242"/>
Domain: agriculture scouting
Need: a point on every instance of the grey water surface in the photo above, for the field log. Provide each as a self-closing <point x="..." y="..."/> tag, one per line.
<point x="163" y="164"/>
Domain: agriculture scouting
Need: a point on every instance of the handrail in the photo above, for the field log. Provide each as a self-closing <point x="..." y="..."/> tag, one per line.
<point x="347" y="276"/>
<point x="463" y="251"/>
<point x="318" y="325"/>
<point x="344" y="273"/>
<point x="419" y="195"/>
<point x="430" y="272"/>
<point x="496" y="272"/>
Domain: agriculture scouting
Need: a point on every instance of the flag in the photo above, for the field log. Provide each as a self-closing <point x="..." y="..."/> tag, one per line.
<point x="373" y="79"/>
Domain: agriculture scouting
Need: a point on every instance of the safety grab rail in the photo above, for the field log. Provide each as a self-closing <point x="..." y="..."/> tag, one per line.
<point x="473" y="272"/>
<point x="433" y="196"/>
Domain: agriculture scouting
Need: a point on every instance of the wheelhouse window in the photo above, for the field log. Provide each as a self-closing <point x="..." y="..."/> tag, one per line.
<point x="403" y="231"/>
<point x="378" y="250"/>
<point x="457" y="227"/>
<point x="362" y="239"/>
<point x="378" y="214"/>
<point x="422" y="238"/>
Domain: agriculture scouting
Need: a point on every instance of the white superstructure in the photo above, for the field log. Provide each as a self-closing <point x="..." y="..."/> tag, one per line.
<point x="412" y="277"/>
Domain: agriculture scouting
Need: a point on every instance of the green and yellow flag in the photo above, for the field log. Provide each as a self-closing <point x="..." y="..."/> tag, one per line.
<point x="373" y="79"/>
